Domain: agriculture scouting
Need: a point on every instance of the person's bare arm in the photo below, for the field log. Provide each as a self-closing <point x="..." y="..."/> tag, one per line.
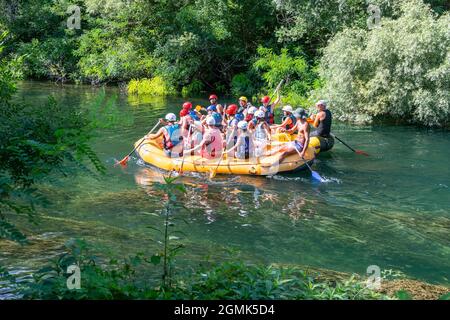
<point x="294" y="128"/>
<point x="196" y="147"/>
<point x="319" y="117"/>
<point x="155" y="135"/>
<point x="238" y="143"/>
<point x="284" y="124"/>
<point x="306" y="135"/>
<point x="277" y="100"/>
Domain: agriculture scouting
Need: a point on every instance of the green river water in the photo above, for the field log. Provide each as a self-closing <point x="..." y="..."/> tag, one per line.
<point x="391" y="209"/>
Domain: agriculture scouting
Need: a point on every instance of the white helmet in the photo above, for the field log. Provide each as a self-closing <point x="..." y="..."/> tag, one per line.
<point x="197" y="125"/>
<point x="321" y="102"/>
<point x="259" y="114"/>
<point x="210" y="121"/>
<point x="242" y="125"/>
<point x="287" y="108"/>
<point x="171" y="117"/>
<point x="252" y="110"/>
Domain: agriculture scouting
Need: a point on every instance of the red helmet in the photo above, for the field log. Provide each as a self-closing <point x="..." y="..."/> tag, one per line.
<point x="265" y="99"/>
<point x="187" y="105"/>
<point x="232" y="109"/>
<point x="213" y="96"/>
<point x="184" y="112"/>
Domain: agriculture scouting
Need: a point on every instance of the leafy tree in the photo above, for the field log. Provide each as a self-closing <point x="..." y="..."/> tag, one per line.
<point x="401" y="70"/>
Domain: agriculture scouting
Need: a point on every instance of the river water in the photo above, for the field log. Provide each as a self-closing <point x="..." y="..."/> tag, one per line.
<point x="391" y="209"/>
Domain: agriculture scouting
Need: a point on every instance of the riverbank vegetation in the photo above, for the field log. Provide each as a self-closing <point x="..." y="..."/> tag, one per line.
<point x="383" y="59"/>
<point x="190" y="46"/>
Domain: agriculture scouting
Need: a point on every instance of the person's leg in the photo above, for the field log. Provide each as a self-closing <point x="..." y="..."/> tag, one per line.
<point x="288" y="150"/>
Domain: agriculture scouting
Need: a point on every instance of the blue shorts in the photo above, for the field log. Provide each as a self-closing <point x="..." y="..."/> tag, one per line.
<point x="296" y="144"/>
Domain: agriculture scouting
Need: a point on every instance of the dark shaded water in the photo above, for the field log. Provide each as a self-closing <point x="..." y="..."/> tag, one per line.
<point x="390" y="209"/>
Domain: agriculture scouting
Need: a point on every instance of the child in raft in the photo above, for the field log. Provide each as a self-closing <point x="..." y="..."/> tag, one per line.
<point x="211" y="146"/>
<point x="245" y="148"/>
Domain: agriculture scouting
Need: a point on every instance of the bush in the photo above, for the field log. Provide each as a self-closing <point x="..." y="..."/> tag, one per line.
<point x="103" y="59"/>
<point x="49" y="59"/>
<point x="242" y="85"/>
<point x="400" y="71"/>
<point x="113" y="279"/>
<point x="195" y="87"/>
<point x="291" y="66"/>
<point x="155" y="86"/>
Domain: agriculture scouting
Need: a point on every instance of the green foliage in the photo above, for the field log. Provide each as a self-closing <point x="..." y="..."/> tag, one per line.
<point x="400" y="71"/>
<point x="242" y="85"/>
<point x="155" y="86"/>
<point x="50" y="59"/>
<point x="103" y="60"/>
<point x="194" y="88"/>
<point x="403" y="295"/>
<point x="112" y="279"/>
<point x="291" y="67"/>
<point x="171" y="246"/>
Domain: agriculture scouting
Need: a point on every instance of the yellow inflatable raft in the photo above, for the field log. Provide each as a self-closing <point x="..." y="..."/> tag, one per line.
<point x="150" y="151"/>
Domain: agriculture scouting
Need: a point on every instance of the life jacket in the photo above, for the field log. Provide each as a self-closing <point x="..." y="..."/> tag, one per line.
<point x="293" y="121"/>
<point x="245" y="150"/>
<point x="260" y="133"/>
<point x="214" y="146"/>
<point x="269" y="115"/>
<point x="218" y="119"/>
<point x="232" y="122"/>
<point x="324" y="127"/>
<point x="173" y="137"/>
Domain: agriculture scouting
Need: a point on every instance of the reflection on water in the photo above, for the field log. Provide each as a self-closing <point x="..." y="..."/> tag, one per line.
<point x="389" y="209"/>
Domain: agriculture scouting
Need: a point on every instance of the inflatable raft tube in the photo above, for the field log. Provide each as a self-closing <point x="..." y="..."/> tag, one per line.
<point x="150" y="151"/>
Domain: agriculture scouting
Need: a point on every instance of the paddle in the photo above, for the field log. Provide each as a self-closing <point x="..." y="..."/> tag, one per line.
<point x="212" y="174"/>
<point x="314" y="174"/>
<point x="355" y="151"/>
<point x="124" y="161"/>
<point x="311" y="121"/>
<point x="182" y="161"/>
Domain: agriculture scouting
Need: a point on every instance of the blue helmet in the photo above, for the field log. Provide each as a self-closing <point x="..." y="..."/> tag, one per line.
<point x="239" y="116"/>
<point x="212" y="108"/>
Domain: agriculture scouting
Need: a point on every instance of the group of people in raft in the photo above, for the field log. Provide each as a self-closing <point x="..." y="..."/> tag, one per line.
<point x="241" y="131"/>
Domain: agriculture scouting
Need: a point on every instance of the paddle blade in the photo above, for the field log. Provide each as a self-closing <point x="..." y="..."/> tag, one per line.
<point x="316" y="176"/>
<point x="212" y="174"/>
<point x="123" y="162"/>
<point x="362" y="152"/>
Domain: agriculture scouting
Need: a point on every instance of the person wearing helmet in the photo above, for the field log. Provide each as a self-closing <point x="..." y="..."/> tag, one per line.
<point x="322" y="121"/>
<point x="287" y="122"/>
<point x="185" y="119"/>
<point x="195" y="137"/>
<point x="270" y="107"/>
<point x="172" y="137"/>
<point x="231" y="115"/>
<point x="211" y="146"/>
<point x="213" y="100"/>
<point x="301" y="142"/>
<point x="194" y="114"/>
<point x="212" y="112"/>
<point x="231" y="125"/>
<point x="243" y="105"/>
<point x="250" y="113"/>
<point x="244" y="146"/>
<point x="261" y="132"/>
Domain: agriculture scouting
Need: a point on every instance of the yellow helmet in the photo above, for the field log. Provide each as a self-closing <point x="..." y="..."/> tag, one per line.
<point x="243" y="99"/>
